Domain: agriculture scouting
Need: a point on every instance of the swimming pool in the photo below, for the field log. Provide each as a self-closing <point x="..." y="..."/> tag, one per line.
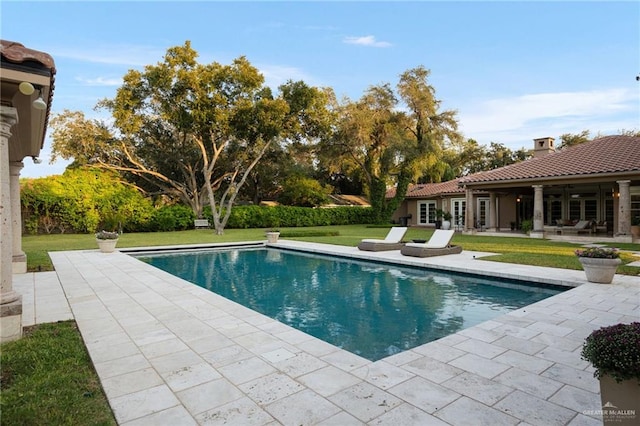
<point x="370" y="309"/>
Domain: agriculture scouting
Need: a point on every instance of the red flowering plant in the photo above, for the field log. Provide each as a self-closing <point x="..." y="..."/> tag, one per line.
<point x="614" y="351"/>
<point x="599" y="253"/>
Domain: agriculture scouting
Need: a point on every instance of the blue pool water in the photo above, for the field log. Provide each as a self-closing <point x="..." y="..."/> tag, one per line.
<point x="373" y="310"/>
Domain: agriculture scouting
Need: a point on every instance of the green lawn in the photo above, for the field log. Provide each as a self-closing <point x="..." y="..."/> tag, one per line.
<point x="48" y="379"/>
<point x="526" y="251"/>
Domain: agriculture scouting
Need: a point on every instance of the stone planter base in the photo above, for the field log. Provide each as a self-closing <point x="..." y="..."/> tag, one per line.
<point x="599" y="270"/>
<point x="620" y="402"/>
<point x="272" y="237"/>
<point x="107" y="246"/>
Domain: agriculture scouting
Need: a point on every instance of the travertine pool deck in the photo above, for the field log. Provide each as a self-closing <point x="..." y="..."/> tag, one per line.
<point x="171" y="353"/>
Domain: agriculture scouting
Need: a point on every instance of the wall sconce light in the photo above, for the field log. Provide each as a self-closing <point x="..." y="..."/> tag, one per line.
<point x="26" y="88"/>
<point x="36" y="160"/>
<point x="39" y="103"/>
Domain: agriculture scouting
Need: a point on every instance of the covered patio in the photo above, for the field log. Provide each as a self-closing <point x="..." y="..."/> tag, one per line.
<point x="26" y="87"/>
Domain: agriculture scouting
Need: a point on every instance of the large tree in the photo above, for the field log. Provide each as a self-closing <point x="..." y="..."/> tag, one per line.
<point x="193" y="131"/>
<point x="395" y="139"/>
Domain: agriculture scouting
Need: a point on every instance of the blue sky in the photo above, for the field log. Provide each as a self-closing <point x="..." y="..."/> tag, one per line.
<point x="514" y="71"/>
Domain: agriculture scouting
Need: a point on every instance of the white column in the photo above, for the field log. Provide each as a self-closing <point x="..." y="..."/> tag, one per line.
<point x="10" y="301"/>
<point x="469" y="224"/>
<point x="538" y="213"/>
<point x="624" y="208"/>
<point x="19" y="257"/>
<point x="492" y="211"/>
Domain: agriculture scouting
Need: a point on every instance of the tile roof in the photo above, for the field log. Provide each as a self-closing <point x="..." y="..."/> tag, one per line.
<point x="606" y="155"/>
<point x="423" y="190"/>
<point x="17" y="53"/>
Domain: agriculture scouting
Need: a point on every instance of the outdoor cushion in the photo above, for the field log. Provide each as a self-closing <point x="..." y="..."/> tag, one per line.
<point x="393" y="240"/>
<point x="440" y="239"/>
<point x="438" y="245"/>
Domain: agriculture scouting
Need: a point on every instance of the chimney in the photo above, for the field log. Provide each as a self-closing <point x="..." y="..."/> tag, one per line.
<point x="543" y="146"/>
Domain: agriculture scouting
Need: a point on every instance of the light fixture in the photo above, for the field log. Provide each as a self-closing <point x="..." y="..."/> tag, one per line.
<point x="36" y="160"/>
<point x="39" y="103"/>
<point x="26" y="88"/>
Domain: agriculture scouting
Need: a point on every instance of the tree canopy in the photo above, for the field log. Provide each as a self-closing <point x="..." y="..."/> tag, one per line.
<point x="192" y="131"/>
<point x="394" y="138"/>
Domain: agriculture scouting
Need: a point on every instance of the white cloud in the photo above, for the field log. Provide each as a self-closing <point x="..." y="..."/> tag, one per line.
<point x="130" y="55"/>
<point x="100" y="81"/>
<point x="516" y="121"/>
<point x="366" y="41"/>
<point x="275" y="75"/>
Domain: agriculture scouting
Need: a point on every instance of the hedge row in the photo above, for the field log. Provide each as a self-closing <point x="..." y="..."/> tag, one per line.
<point x="289" y="217"/>
<point x="87" y="200"/>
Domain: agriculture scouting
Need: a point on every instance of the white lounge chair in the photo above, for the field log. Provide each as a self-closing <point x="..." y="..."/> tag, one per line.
<point x="438" y="245"/>
<point x="581" y="226"/>
<point x="393" y="240"/>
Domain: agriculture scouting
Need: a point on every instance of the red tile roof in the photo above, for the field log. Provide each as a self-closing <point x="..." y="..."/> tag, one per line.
<point x="17" y="53"/>
<point x="425" y="190"/>
<point x="607" y="155"/>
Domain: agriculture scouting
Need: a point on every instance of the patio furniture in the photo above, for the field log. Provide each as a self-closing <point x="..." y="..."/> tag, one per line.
<point x="438" y="245"/>
<point x="581" y="226"/>
<point x="393" y="240"/>
<point x="201" y="223"/>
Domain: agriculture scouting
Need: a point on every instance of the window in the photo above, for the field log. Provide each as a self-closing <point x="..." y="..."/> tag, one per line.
<point x="635" y="202"/>
<point x="583" y="207"/>
<point x="458" y="210"/>
<point x="426" y="212"/>
<point x="483" y="212"/>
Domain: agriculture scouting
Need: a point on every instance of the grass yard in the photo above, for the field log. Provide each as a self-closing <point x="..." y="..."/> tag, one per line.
<point x="525" y="251"/>
<point x="48" y="379"/>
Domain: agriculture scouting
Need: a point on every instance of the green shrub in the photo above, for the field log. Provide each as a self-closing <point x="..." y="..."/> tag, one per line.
<point x="526" y="226"/>
<point x="304" y="192"/>
<point x="171" y="218"/>
<point x="82" y="200"/>
<point x="243" y="217"/>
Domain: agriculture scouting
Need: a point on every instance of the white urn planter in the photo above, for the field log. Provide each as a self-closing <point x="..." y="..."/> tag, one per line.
<point x="599" y="270"/>
<point x="272" y="236"/>
<point x="107" y="246"/>
<point x="446" y="224"/>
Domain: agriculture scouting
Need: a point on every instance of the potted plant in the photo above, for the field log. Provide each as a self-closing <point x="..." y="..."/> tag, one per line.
<point x="273" y="233"/>
<point x="599" y="263"/>
<point x="446" y="220"/>
<point x="439" y="215"/>
<point x="107" y="241"/>
<point x="526" y="226"/>
<point x="614" y="352"/>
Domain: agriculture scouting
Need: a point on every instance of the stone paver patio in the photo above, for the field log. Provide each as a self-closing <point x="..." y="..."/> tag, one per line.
<point x="171" y="353"/>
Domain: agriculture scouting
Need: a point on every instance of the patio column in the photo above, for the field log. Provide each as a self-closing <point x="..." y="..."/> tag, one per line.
<point x="19" y="257"/>
<point x="10" y="301"/>
<point x="492" y="211"/>
<point x="538" y="213"/>
<point x="469" y="225"/>
<point x="624" y="208"/>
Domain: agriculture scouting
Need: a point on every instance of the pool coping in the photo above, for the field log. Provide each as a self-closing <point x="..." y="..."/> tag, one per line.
<point x="159" y="344"/>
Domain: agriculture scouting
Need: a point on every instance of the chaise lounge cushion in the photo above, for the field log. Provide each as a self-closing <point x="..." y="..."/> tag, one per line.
<point x="581" y="226"/>
<point x="438" y="245"/>
<point x="393" y="241"/>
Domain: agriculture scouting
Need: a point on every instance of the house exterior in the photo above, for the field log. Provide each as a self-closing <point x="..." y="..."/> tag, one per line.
<point x="598" y="181"/>
<point x="423" y="200"/>
<point x="26" y="90"/>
